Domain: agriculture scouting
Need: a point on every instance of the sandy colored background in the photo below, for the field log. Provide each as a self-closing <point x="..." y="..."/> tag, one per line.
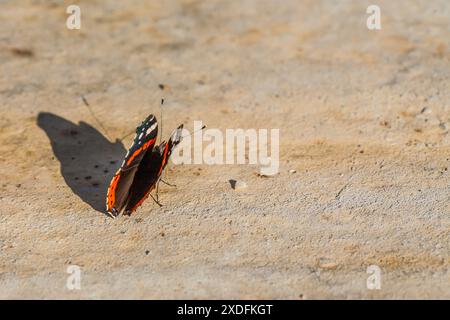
<point x="364" y="120"/>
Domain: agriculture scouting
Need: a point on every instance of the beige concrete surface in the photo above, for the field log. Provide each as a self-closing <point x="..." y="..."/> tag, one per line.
<point x="363" y="118"/>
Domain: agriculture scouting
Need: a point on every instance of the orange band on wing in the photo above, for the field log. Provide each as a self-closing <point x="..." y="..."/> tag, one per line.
<point x="115" y="180"/>
<point x="112" y="192"/>
<point x="166" y="149"/>
<point x="145" y="146"/>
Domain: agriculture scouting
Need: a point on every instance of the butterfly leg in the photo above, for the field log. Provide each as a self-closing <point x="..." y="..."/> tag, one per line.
<point x="157" y="190"/>
<point x="169" y="184"/>
<point x="156" y="200"/>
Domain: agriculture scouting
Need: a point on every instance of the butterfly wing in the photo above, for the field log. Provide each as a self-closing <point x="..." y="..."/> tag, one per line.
<point x="150" y="170"/>
<point x="119" y="188"/>
<point x="167" y="149"/>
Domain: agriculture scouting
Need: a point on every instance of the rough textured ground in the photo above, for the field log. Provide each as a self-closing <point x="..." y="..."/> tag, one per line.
<point x="364" y="119"/>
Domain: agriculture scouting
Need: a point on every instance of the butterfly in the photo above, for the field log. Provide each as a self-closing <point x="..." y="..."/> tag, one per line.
<point x="141" y="169"/>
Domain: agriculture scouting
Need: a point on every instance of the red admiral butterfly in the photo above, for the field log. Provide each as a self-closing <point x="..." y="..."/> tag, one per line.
<point x="141" y="169"/>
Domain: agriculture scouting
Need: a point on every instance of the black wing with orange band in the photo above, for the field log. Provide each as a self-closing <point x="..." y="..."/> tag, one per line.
<point x="150" y="170"/>
<point x="119" y="188"/>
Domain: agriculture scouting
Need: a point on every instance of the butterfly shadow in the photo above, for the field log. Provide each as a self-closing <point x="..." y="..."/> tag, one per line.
<point x="88" y="159"/>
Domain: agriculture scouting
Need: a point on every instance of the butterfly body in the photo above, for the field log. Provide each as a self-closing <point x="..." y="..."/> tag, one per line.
<point x="141" y="169"/>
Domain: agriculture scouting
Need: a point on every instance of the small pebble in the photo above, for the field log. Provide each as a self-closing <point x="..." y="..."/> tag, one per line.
<point x="327" y="264"/>
<point x="238" y="185"/>
<point x="292" y="171"/>
<point x="425" y="110"/>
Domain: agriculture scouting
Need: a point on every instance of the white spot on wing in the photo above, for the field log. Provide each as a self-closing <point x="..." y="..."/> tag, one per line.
<point x="150" y="129"/>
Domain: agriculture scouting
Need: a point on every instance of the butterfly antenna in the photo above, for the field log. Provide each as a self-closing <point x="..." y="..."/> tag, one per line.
<point x="161" y="117"/>
<point x="190" y="134"/>
<point x="86" y="103"/>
